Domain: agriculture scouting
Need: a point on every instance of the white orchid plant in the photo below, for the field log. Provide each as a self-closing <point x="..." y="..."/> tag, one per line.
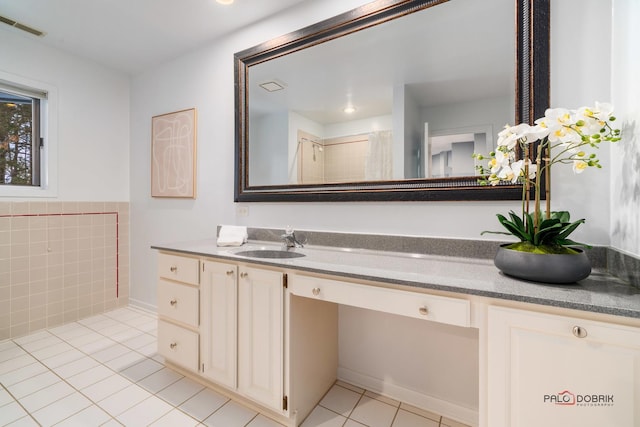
<point x="525" y="153"/>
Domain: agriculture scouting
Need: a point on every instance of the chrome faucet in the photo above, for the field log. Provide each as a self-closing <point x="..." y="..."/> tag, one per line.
<point x="289" y="239"/>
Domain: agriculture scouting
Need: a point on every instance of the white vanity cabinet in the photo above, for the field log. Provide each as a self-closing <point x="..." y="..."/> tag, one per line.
<point x="219" y="308"/>
<point x="226" y="323"/>
<point x="178" y="309"/>
<point x="557" y="371"/>
<point x="453" y="311"/>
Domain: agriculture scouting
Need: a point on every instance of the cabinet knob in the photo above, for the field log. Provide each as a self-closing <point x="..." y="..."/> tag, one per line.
<point x="173" y="302"/>
<point x="315" y="291"/>
<point x="579" y="332"/>
<point x="173" y="268"/>
<point x="243" y="274"/>
<point x="229" y="272"/>
<point x="173" y="345"/>
<point x="423" y="310"/>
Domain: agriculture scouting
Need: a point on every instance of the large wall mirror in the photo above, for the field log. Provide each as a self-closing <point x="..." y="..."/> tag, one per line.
<point x="389" y="101"/>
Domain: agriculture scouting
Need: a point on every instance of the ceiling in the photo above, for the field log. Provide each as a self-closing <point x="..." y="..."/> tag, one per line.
<point x="134" y="35"/>
<point x="439" y="56"/>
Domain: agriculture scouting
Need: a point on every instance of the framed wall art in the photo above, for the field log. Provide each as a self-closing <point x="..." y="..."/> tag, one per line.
<point x="173" y="154"/>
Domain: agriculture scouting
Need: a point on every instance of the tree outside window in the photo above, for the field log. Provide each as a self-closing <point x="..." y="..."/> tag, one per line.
<point x="19" y="149"/>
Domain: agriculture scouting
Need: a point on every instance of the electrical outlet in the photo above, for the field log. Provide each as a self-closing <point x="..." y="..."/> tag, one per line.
<point x="242" y="210"/>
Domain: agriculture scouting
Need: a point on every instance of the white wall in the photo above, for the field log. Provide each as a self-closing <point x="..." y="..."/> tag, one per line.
<point x="201" y="79"/>
<point x="577" y="79"/>
<point x="625" y="164"/>
<point x="92" y="116"/>
<point x="267" y="160"/>
<point x="204" y="79"/>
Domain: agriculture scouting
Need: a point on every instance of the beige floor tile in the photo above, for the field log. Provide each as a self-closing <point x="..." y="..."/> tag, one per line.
<point x="61" y="409"/>
<point x="262" y="421"/>
<point x="125" y="375"/>
<point x="231" y="414"/>
<point x="124" y="399"/>
<point x="175" y="418"/>
<point x="33" y="384"/>
<point x="21" y="374"/>
<point x="145" y="412"/>
<point x="91" y="415"/>
<point x="374" y="413"/>
<point x="448" y="422"/>
<point x="340" y="400"/>
<point x="322" y="417"/>
<point x="46" y="396"/>
<point x="106" y="387"/>
<point x="203" y="404"/>
<point x="180" y="391"/>
<point x="159" y="380"/>
<point x="11" y="412"/>
<point x="409" y="419"/>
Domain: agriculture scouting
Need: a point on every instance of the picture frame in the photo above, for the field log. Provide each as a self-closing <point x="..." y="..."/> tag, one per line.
<point x="173" y="154"/>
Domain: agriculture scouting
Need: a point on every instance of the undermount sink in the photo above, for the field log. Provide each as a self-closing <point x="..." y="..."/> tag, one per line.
<point x="270" y="253"/>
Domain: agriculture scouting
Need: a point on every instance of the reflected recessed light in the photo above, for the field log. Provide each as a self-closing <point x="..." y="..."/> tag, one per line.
<point x="225" y="1"/>
<point x="349" y="109"/>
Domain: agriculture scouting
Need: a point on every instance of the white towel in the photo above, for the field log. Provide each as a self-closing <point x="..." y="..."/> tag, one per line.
<point x="232" y="235"/>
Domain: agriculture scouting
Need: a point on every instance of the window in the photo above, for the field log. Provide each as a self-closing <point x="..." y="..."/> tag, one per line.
<point x="20" y="140"/>
<point x="27" y="146"/>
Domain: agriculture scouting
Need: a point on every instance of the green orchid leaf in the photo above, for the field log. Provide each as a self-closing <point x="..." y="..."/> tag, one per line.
<point x="570" y="229"/>
<point x="530" y="226"/>
<point x="506" y="233"/>
<point x="516" y="229"/>
<point x="569" y="242"/>
<point x="562" y="216"/>
<point x="516" y="220"/>
<point x="549" y="233"/>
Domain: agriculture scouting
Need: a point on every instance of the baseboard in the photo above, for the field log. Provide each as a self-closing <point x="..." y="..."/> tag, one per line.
<point x="134" y="303"/>
<point x="412" y="397"/>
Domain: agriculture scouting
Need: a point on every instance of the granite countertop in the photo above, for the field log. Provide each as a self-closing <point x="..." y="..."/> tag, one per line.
<point x="601" y="292"/>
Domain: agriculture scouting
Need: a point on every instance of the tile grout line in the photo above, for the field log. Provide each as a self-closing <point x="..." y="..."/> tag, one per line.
<point x="90" y="356"/>
<point x="49" y="369"/>
<point x="19" y="404"/>
<point x="104" y="321"/>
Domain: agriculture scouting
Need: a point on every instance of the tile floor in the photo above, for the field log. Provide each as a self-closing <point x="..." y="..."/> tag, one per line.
<point x="104" y="371"/>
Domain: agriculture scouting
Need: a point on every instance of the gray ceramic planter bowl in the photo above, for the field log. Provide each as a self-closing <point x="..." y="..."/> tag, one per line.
<point x="545" y="268"/>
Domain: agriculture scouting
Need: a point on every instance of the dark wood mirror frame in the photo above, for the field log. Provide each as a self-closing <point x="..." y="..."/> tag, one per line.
<point x="532" y="98"/>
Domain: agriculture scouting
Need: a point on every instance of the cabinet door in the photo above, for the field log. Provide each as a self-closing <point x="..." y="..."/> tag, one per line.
<point x="260" y="336"/>
<point x="556" y="371"/>
<point x="218" y="301"/>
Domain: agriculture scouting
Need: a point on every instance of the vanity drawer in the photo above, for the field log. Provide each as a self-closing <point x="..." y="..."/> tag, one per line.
<point x="452" y="311"/>
<point x="178" y="345"/>
<point x="182" y="269"/>
<point x="178" y="302"/>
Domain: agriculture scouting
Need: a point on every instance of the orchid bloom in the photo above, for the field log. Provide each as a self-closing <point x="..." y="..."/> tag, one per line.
<point x="563" y="130"/>
<point x="499" y="161"/>
<point x="579" y="163"/>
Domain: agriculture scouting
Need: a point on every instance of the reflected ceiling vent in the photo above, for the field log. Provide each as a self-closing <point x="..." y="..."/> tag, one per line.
<point x="20" y="26"/>
<point x="272" y="86"/>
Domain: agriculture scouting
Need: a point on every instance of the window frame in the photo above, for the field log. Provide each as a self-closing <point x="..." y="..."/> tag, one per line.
<point x="45" y="131"/>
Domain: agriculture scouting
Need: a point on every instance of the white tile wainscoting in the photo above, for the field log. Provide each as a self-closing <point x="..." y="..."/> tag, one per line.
<point x="104" y="370"/>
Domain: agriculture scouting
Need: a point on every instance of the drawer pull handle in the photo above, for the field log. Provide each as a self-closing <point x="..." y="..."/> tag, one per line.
<point x="423" y="310"/>
<point x="315" y="291"/>
<point x="243" y="274"/>
<point x="173" y="345"/>
<point x="173" y="269"/>
<point x="579" y="332"/>
<point x="229" y="273"/>
<point x="173" y="302"/>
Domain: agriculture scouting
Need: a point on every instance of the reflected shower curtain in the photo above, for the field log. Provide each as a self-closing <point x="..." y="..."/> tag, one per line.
<point x="378" y="163"/>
